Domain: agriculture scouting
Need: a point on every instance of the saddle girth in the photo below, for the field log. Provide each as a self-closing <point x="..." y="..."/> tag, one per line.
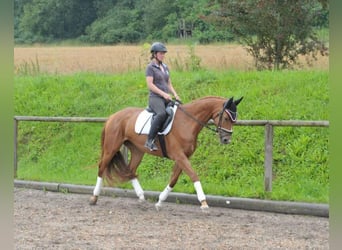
<point x="161" y="139"/>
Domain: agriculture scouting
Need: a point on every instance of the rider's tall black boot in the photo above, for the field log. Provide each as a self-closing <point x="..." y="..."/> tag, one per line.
<point x="152" y="134"/>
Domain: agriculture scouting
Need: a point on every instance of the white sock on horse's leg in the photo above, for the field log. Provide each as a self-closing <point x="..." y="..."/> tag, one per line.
<point x="97" y="189"/>
<point x="138" y="189"/>
<point x="199" y="191"/>
<point x="163" y="195"/>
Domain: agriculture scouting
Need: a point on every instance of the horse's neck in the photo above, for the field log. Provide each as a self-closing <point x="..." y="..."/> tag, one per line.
<point x="204" y="109"/>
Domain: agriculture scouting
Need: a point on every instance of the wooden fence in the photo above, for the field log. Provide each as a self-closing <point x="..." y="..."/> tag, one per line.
<point x="268" y="124"/>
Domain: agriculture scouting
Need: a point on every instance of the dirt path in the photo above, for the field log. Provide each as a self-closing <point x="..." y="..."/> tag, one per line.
<point x="49" y="220"/>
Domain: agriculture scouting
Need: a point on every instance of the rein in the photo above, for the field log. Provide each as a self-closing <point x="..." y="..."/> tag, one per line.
<point x="205" y="125"/>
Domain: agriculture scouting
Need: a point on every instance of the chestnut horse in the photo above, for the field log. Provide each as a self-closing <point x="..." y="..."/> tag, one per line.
<point x="180" y="143"/>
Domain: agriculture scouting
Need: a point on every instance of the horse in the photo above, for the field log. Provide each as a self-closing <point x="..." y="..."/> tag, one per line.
<point x="180" y="143"/>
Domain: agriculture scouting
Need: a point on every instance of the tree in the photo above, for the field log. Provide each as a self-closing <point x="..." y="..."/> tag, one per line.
<point x="155" y="17"/>
<point x="190" y="13"/>
<point x="18" y="12"/>
<point x="276" y="32"/>
<point x="120" y="23"/>
<point x="43" y="20"/>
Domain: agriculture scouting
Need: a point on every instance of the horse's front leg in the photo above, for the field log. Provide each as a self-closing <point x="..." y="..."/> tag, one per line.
<point x="174" y="178"/>
<point x="184" y="163"/>
<point x="201" y="196"/>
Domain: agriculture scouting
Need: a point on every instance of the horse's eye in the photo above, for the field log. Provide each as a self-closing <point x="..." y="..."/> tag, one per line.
<point x="226" y="119"/>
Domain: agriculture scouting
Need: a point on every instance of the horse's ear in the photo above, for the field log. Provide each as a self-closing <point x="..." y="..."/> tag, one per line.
<point x="228" y="103"/>
<point x="238" y="100"/>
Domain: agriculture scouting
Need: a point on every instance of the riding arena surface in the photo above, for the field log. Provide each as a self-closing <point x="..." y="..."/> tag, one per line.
<point x="56" y="220"/>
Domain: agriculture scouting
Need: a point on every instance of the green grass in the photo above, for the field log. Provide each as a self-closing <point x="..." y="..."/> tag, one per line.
<point x="69" y="152"/>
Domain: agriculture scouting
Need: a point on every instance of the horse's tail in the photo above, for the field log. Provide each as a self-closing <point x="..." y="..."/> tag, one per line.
<point x="117" y="169"/>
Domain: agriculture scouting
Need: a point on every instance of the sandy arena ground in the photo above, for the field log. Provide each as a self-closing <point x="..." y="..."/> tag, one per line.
<point x="50" y="220"/>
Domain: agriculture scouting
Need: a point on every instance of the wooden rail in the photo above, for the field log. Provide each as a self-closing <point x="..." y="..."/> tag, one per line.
<point x="268" y="124"/>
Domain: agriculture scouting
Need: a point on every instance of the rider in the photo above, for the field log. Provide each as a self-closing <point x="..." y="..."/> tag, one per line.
<point x="159" y="85"/>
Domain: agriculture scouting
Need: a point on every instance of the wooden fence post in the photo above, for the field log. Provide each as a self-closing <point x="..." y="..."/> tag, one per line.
<point x="15" y="146"/>
<point x="268" y="157"/>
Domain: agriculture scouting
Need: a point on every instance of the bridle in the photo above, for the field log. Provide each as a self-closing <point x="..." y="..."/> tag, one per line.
<point x="219" y="129"/>
<point x="233" y="117"/>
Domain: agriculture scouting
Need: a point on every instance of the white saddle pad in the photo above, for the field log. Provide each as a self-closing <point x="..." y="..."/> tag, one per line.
<point x="143" y="122"/>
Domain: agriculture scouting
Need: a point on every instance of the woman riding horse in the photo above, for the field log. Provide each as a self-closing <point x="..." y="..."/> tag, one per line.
<point x="180" y="142"/>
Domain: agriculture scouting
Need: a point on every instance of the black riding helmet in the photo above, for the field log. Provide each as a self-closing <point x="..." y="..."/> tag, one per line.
<point x="158" y="47"/>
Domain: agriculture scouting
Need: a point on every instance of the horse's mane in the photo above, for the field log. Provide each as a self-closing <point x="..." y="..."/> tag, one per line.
<point x="204" y="99"/>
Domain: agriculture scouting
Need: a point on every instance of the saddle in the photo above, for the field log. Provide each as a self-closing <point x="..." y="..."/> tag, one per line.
<point x="145" y="118"/>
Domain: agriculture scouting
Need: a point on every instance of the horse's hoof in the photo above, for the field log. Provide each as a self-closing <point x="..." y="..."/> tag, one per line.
<point x="93" y="200"/>
<point x="205" y="209"/>
<point x="158" y="206"/>
<point x="142" y="200"/>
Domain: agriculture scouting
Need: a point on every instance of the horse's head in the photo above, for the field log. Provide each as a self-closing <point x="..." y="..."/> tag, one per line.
<point x="226" y="118"/>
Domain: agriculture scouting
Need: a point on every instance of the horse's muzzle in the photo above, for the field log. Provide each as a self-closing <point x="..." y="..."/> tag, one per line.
<point x="225" y="135"/>
<point x="225" y="139"/>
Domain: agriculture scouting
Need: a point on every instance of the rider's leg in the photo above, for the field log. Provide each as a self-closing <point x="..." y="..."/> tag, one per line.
<point x="157" y="104"/>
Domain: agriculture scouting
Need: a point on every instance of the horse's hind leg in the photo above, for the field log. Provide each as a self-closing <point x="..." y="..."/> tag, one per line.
<point x="110" y="143"/>
<point x="97" y="191"/>
<point x="106" y="158"/>
<point x="174" y="178"/>
<point x="138" y="189"/>
<point x="136" y="157"/>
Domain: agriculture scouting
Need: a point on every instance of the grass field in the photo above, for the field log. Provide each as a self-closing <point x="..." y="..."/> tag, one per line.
<point x="123" y="59"/>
